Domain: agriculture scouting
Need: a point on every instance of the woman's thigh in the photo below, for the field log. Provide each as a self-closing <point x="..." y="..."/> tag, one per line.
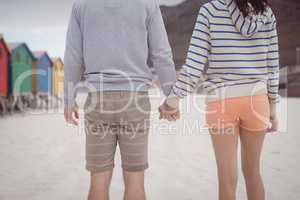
<point x="225" y="148"/>
<point x="251" y="148"/>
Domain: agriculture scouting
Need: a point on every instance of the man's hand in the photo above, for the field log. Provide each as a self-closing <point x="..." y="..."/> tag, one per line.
<point x="71" y="115"/>
<point x="168" y="112"/>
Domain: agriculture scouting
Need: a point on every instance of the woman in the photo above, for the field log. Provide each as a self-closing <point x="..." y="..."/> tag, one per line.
<point x="234" y="52"/>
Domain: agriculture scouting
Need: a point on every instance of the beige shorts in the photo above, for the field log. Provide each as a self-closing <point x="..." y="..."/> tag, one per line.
<point x="117" y="117"/>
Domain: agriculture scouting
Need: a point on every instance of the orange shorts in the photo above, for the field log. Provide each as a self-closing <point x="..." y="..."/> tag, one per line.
<point x="248" y="112"/>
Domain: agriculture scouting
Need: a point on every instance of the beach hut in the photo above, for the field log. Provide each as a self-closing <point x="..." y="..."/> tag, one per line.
<point x="21" y="60"/>
<point x="58" y="76"/>
<point x="4" y="73"/>
<point x="42" y="77"/>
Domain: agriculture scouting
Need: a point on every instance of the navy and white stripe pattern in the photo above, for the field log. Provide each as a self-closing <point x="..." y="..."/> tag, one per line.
<point x="230" y="50"/>
<point x="249" y="25"/>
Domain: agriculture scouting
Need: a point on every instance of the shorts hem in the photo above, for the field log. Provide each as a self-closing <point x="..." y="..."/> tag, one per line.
<point x="223" y="126"/>
<point x="254" y="129"/>
<point x="94" y="170"/>
<point x="136" y="168"/>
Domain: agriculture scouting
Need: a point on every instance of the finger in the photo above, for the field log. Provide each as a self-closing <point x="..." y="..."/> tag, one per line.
<point x="71" y="121"/>
<point x="165" y="116"/>
<point x="174" y="117"/>
<point x="74" y="122"/>
<point x="178" y="115"/>
<point x="67" y="117"/>
<point x="271" y="129"/>
<point x="76" y="115"/>
<point x="160" y="113"/>
<point x="74" y="118"/>
<point x="274" y="129"/>
<point x="161" y="116"/>
<point x="275" y="125"/>
<point x="170" y="118"/>
<point x="159" y="109"/>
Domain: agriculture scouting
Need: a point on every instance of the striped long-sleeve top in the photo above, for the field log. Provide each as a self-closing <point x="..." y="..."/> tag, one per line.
<point x="231" y="55"/>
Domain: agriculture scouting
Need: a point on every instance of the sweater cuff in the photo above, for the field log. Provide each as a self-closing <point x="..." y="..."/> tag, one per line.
<point x="273" y="100"/>
<point x="173" y="100"/>
<point x="70" y="103"/>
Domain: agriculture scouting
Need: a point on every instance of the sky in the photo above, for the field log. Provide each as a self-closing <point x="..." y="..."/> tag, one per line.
<point x="42" y="24"/>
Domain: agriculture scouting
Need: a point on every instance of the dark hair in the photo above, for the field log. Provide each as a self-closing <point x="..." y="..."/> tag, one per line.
<point x="258" y="6"/>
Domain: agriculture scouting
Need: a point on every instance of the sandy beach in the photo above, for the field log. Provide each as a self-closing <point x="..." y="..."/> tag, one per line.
<point x="43" y="158"/>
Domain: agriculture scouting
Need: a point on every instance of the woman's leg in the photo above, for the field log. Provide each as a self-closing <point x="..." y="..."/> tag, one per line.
<point x="251" y="147"/>
<point x="225" y="147"/>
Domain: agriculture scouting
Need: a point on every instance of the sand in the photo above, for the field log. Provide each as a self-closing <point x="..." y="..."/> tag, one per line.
<point x="43" y="158"/>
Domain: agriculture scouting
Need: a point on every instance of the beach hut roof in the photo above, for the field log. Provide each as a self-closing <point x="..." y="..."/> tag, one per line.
<point x="15" y="45"/>
<point x="56" y="59"/>
<point x="39" y="54"/>
<point x="3" y="40"/>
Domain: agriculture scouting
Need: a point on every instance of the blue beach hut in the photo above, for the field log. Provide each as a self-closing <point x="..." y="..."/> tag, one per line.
<point x="42" y="73"/>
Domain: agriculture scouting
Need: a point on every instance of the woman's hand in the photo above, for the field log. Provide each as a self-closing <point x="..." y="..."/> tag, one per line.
<point x="273" y="119"/>
<point x="274" y="124"/>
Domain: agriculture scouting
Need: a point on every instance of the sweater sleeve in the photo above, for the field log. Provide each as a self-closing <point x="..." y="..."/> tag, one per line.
<point x="194" y="68"/>
<point x="73" y="58"/>
<point x="160" y="53"/>
<point x="273" y="67"/>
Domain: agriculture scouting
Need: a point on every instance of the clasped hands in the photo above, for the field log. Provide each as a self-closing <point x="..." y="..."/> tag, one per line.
<point x="169" y="113"/>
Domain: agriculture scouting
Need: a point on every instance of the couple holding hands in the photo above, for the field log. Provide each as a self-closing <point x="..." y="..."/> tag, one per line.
<point x="233" y="55"/>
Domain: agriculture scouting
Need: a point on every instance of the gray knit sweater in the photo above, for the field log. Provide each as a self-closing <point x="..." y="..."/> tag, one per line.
<point x="109" y="43"/>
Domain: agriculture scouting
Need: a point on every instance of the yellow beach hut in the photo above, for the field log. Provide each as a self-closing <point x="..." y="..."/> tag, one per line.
<point x="58" y="76"/>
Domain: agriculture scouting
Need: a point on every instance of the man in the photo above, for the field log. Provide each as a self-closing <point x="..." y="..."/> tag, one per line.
<point x="108" y="45"/>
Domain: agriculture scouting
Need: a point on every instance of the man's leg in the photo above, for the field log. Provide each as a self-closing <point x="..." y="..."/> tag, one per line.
<point x="134" y="163"/>
<point x="100" y="183"/>
<point x="134" y="185"/>
<point x="133" y="143"/>
<point x="100" y="162"/>
<point x="100" y="150"/>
